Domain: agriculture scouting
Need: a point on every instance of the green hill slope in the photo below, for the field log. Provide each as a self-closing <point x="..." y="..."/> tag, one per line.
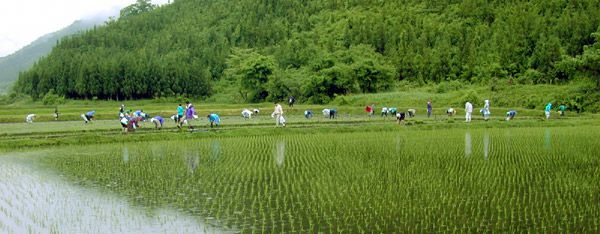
<point x="256" y="50"/>
<point x="23" y="59"/>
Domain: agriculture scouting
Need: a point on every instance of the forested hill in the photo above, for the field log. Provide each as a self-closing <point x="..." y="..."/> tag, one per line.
<point x="315" y="49"/>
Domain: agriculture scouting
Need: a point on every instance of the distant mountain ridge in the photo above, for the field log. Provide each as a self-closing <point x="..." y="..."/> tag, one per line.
<point x="23" y="59"/>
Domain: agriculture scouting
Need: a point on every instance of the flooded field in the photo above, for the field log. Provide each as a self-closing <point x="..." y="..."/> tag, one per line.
<point x="32" y="200"/>
<point x="463" y="180"/>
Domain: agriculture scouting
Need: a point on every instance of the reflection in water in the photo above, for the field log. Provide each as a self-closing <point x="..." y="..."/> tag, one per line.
<point x="125" y="154"/>
<point x="486" y="144"/>
<point x="216" y="150"/>
<point x="279" y="153"/>
<point x="193" y="160"/>
<point x="40" y="202"/>
<point x="157" y="151"/>
<point x="468" y="145"/>
<point x="547" y="140"/>
<point x="398" y="144"/>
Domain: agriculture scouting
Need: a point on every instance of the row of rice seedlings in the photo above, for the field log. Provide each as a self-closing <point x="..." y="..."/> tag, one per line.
<point x="525" y="179"/>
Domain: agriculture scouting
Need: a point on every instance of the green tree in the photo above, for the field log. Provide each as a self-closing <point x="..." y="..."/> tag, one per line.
<point x="140" y="6"/>
<point x="252" y="71"/>
<point x="590" y="59"/>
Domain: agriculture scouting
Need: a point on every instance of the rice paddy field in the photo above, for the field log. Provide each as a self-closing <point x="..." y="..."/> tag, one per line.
<point x="353" y="174"/>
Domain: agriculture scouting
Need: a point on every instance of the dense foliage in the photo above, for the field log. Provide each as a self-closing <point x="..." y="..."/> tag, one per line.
<point x="266" y="50"/>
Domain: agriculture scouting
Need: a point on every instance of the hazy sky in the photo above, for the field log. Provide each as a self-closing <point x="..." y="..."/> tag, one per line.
<point x="23" y="21"/>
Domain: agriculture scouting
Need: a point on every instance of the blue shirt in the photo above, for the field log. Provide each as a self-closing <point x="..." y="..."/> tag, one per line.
<point x="549" y="107"/>
<point x="160" y="119"/>
<point x="214" y="118"/>
<point x="91" y="113"/>
<point x="180" y="110"/>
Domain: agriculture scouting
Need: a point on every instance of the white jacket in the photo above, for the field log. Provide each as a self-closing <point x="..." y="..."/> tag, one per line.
<point x="278" y="110"/>
<point x="468" y="107"/>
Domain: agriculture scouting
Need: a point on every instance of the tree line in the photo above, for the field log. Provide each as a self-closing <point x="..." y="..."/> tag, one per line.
<point x="316" y="49"/>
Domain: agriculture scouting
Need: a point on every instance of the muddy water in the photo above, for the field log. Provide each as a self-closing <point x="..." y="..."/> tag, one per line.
<point x="34" y="201"/>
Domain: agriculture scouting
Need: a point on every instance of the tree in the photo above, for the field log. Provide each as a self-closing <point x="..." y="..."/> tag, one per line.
<point x="590" y="59"/>
<point x="140" y="6"/>
<point x="252" y="71"/>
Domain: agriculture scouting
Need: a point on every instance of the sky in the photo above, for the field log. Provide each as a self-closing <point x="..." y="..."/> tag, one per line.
<point x="23" y="21"/>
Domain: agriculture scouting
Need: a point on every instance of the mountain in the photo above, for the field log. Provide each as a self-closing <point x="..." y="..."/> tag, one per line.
<point x="23" y="59"/>
<point x="315" y="50"/>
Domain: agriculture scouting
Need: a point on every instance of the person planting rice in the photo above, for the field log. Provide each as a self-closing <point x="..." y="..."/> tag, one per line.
<point x="548" y="109"/>
<point x="429" y="108"/>
<point x="29" y="118"/>
<point x="400" y="117"/>
<point x="190" y="114"/>
<point x="55" y="113"/>
<point x="332" y="113"/>
<point x="278" y="115"/>
<point x="326" y="112"/>
<point x="384" y="111"/>
<point x="256" y="111"/>
<point x="122" y="111"/>
<point x="486" y="110"/>
<point x="158" y="121"/>
<point x="140" y="113"/>
<point x="393" y="111"/>
<point x="179" y="118"/>
<point x="468" y="112"/>
<point x="89" y="116"/>
<point x="214" y="119"/>
<point x="308" y="114"/>
<point x="124" y="120"/>
<point x="511" y="115"/>
<point x="291" y="101"/>
<point x="561" y="109"/>
<point x="247" y="114"/>
<point x="370" y="110"/>
<point x="450" y="112"/>
<point x="411" y="113"/>
<point x="133" y="124"/>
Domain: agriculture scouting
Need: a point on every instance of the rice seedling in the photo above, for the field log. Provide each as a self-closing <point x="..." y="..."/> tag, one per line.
<point x="410" y="180"/>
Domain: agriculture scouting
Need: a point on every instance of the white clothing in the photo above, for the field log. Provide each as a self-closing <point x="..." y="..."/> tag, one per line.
<point x="486" y="109"/>
<point x="384" y="110"/>
<point x="468" y="107"/>
<point x="547" y="114"/>
<point x="247" y="114"/>
<point x="29" y="118"/>
<point x="280" y="120"/>
<point x="278" y="114"/>
<point x="469" y="111"/>
<point x="278" y="110"/>
<point x="326" y="112"/>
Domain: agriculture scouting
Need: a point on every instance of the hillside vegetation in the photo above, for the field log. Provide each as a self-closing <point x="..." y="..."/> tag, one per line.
<point x="263" y="50"/>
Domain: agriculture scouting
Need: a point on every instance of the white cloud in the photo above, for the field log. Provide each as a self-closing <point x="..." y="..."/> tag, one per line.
<point x="23" y="21"/>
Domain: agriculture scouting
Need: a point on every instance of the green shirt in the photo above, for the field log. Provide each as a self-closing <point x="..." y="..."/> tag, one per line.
<point x="562" y="107"/>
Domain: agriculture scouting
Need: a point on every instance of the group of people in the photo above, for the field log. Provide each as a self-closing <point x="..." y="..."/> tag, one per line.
<point x="393" y="111"/>
<point x="130" y="120"/>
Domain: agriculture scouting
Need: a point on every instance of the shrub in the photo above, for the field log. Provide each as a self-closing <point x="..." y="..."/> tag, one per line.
<point x="52" y="99"/>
